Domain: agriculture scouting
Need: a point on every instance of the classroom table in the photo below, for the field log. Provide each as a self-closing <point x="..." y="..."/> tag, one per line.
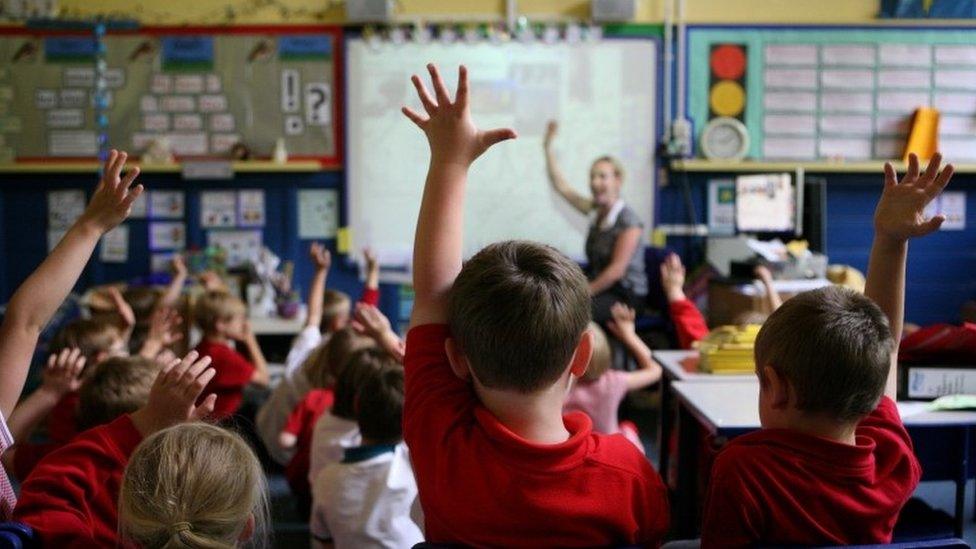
<point x="731" y="408"/>
<point x="680" y="365"/>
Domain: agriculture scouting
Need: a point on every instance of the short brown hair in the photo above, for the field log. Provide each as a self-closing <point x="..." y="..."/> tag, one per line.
<point x="334" y="303"/>
<point x="89" y="336"/>
<point x="362" y="364"/>
<point x="216" y="306"/>
<point x="325" y="362"/>
<point x="379" y="406"/>
<point x="833" y="346"/>
<point x="600" y="361"/>
<point x="115" y="387"/>
<point x="517" y="311"/>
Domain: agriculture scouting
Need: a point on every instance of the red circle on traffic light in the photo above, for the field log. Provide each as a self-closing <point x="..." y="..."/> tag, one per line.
<point x="728" y="61"/>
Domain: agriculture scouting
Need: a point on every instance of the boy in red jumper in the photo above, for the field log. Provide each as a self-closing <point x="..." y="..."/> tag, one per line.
<point x="223" y="319"/>
<point x="833" y="464"/>
<point x="38" y="298"/>
<point x="71" y="497"/>
<point x="492" y="350"/>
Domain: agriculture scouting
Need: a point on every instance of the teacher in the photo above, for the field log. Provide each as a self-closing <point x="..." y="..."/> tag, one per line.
<point x="613" y="245"/>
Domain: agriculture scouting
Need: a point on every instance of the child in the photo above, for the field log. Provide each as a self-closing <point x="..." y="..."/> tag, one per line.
<point x="117" y="386"/>
<point x="321" y="371"/>
<point x="223" y="320"/>
<point x="689" y="324"/>
<point x="600" y="390"/>
<point x="833" y="464"/>
<point x="38" y="298"/>
<point x="336" y="430"/>
<point x="328" y="312"/>
<point x="193" y="485"/>
<point x="493" y="348"/>
<point x="365" y="500"/>
<point x="71" y="497"/>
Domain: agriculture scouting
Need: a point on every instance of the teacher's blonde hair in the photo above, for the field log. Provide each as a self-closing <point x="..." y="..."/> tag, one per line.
<point x="618" y="167"/>
<point x="194" y="485"/>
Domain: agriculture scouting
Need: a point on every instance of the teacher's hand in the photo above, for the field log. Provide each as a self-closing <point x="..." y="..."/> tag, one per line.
<point x="552" y="128"/>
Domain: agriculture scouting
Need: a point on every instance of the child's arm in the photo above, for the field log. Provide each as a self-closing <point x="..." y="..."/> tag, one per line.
<point x="162" y="332"/>
<point x="175" y="287"/>
<point x="261" y="376"/>
<point x="37" y="299"/>
<point x="583" y="204"/>
<point x="125" y="312"/>
<point x="455" y="143"/>
<point x="622" y="326"/>
<point x="371" y="291"/>
<point x="288" y="436"/>
<point x="322" y="260"/>
<point x="375" y="324"/>
<point x="61" y="376"/>
<point x="773" y="300"/>
<point x="688" y="320"/>
<point x="898" y="217"/>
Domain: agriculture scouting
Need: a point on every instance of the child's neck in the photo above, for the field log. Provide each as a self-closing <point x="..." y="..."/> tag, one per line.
<point x="537" y="417"/>
<point x="819" y="426"/>
<point x="217" y="338"/>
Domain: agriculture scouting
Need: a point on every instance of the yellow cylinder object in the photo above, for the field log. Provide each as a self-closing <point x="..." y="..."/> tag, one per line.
<point x="924" y="137"/>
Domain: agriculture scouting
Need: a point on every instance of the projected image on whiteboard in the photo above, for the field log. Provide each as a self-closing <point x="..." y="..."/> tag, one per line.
<point x="765" y="203"/>
<point x="602" y="93"/>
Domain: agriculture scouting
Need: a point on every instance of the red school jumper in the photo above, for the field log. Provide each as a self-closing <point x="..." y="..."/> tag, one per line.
<point x="781" y="487"/>
<point x="71" y="497"/>
<point x="481" y="484"/>
<point x="233" y="373"/>
<point x="301" y="423"/>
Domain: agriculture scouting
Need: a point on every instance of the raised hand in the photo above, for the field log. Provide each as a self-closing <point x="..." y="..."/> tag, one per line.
<point x="673" y="277"/>
<point x="370" y="321"/>
<point x="900" y="211"/>
<point x="163" y="326"/>
<point x="370" y="257"/>
<point x="113" y="197"/>
<point x="321" y="257"/>
<point x="174" y="394"/>
<point x="622" y="324"/>
<point x="178" y="264"/>
<point x="62" y="375"/>
<point x="452" y="135"/>
<point x="552" y="128"/>
<point x="122" y="307"/>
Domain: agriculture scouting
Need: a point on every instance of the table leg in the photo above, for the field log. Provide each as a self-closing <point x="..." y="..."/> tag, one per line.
<point x="685" y="509"/>
<point x="664" y="433"/>
<point x="961" y="474"/>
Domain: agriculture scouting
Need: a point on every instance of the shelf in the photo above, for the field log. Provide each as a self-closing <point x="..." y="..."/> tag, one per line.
<point x="747" y="166"/>
<point x="250" y="166"/>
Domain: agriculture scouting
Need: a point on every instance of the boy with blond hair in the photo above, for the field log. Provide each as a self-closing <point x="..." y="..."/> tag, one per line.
<point x="833" y="463"/>
<point x="492" y="350"/>
<point x="223" y="319"/>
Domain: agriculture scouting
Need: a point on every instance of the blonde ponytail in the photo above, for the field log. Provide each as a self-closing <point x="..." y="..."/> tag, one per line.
<point x="193" y="486"/>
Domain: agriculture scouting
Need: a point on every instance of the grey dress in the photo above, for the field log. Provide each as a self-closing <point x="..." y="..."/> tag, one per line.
<point x="632" y="288"/>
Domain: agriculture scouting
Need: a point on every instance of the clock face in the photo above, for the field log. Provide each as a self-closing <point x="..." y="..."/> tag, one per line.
<point x="725" y="139"/>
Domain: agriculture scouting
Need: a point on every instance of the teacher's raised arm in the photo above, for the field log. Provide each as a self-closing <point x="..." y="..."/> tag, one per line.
<point x="613" y="243"/>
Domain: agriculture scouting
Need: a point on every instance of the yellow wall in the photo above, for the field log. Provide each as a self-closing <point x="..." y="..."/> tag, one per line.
<point x="331" y="11"/>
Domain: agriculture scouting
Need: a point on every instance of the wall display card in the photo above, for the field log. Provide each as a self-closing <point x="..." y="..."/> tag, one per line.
<point x="951" y="204"/>
<point x="166" y="205"/>
<point x="53" y="237"/>
<point x="64" y="207"/>
<point x="764" y="203"/>
<point x="72" y="143"/>
<point x="242" y="247"/>
<point x="45" y="99"/>
<point x="250" y="208"/>
<point x="167" y="235"/>
<point x="721" y="207"/>
<point x="218" y="209"/>
<point x="160" y="262"/>
<point x="318" y="213"/>
<point x="140" y="208"/>
<point x="115" y="245"/>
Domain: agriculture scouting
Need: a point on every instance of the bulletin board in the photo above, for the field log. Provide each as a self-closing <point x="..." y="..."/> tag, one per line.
<point x="202" y="88"/>
<point x="834" y="92"/>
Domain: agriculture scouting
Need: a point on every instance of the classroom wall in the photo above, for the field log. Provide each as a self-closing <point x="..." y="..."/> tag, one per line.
<point x="320" y="11"/>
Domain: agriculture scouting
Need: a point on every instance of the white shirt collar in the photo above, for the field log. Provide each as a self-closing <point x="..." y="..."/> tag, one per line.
<point x="611" y="219"/>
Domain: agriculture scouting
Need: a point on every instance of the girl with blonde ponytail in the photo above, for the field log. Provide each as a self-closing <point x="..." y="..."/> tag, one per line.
<point x="193" y="485"/>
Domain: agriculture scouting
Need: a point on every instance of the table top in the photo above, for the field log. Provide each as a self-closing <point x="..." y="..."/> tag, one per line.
<point x="683" y="366"/>
<point x="277" y="326"/>
<point x="732" y="407"/>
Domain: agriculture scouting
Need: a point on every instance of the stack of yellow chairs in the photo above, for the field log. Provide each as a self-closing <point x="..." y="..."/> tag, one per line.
<point x="728" y="350"/>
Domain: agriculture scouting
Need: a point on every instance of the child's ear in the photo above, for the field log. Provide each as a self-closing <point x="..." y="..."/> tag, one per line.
<point x="582" y="355"/>
<point x="248" y="532"/>
<point x="459" y="362"/>
<point x="777" y="387"/>
<point x="101" y="356"/>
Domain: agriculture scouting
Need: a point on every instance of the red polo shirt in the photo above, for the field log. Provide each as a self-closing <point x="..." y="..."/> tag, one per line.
<point x="481" y="484"/>
<point x="782" y="487"/>
<point x="233" y="373"/>
<point x="71" y="497"/>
